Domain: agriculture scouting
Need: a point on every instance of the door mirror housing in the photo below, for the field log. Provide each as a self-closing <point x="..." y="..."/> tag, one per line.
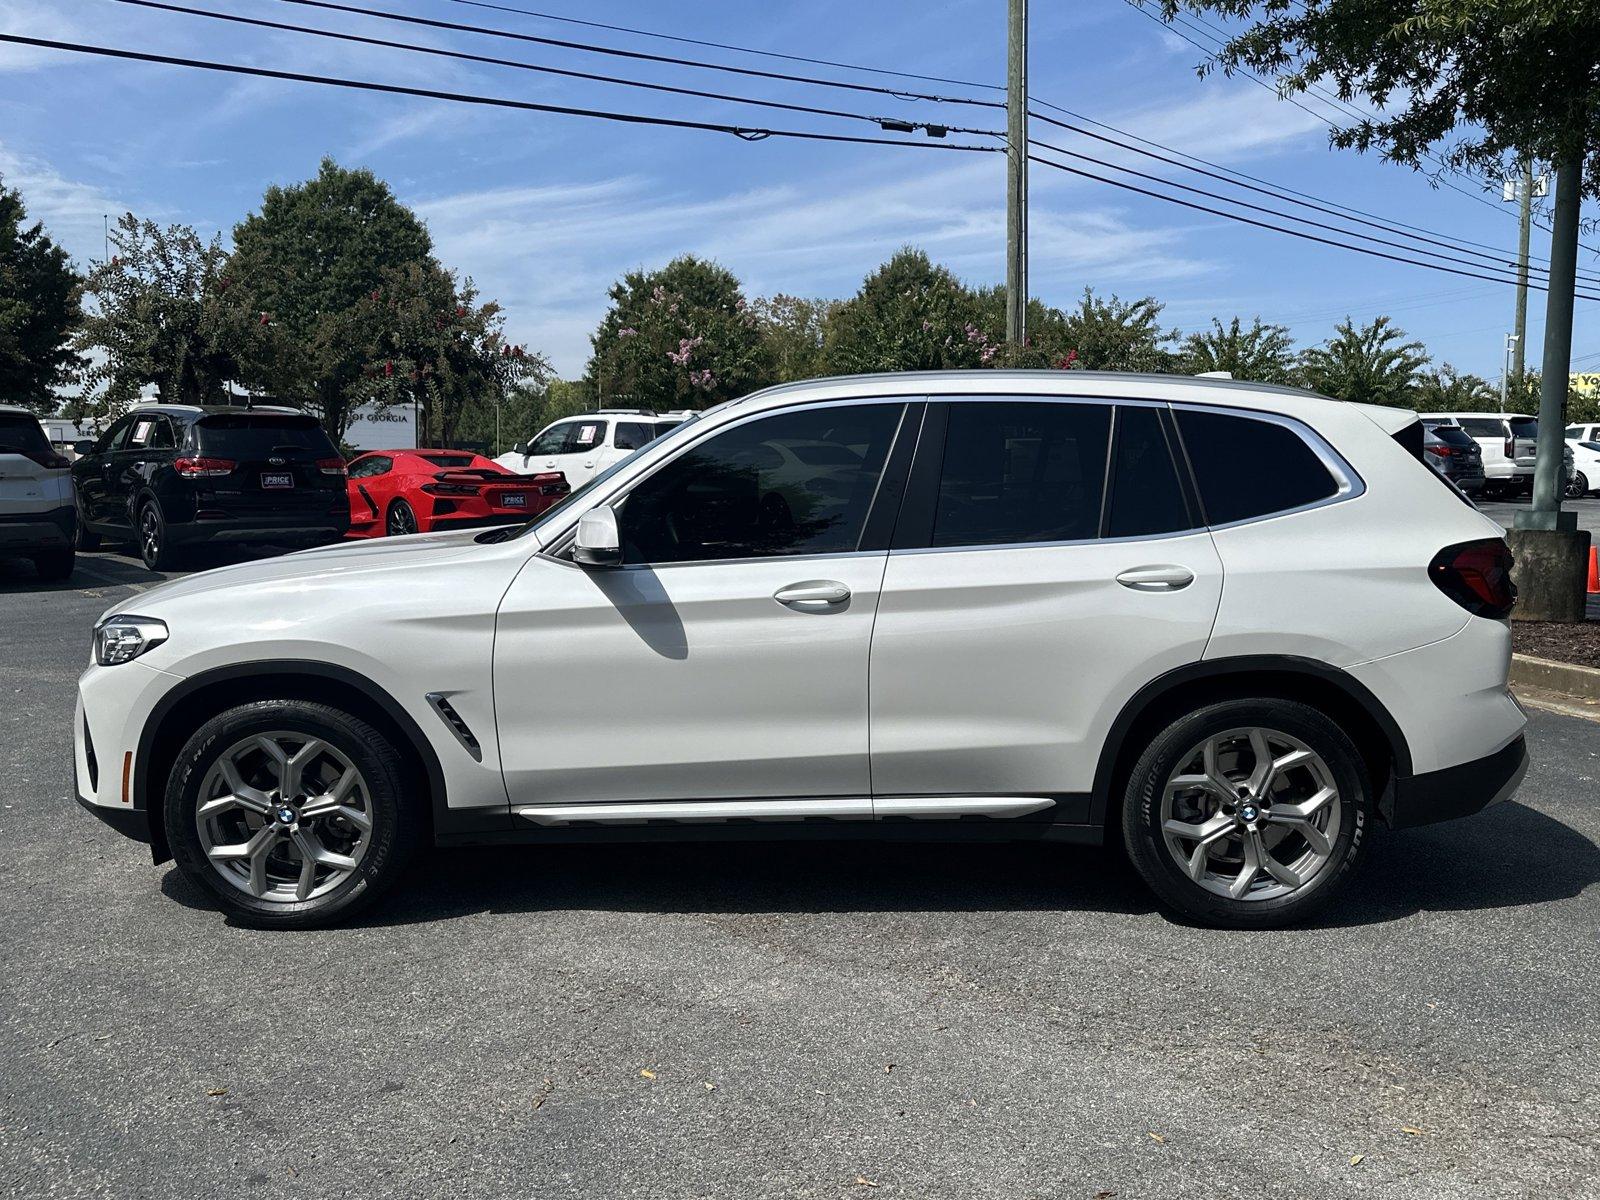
<point x="598" y="542"/>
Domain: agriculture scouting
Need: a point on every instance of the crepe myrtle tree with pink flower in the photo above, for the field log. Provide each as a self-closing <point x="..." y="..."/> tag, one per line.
<point x="680" y="337"/>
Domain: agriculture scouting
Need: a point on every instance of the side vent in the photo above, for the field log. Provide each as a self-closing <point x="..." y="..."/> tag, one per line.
<point x="88" y="754"/>
<point x="460" y="728"/>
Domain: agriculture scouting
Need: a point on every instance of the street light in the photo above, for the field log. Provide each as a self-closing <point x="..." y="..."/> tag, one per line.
<point x="1505" y="367"/>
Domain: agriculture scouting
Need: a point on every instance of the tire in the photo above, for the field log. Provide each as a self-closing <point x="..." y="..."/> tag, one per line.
<point x="351" y="866"/>
<point x="54" y="565"/>
<point x="1579" y="487"/>
<point x="401" y="520"/>
<point x="1321" y="859"/>
<point x="152" y="540"/>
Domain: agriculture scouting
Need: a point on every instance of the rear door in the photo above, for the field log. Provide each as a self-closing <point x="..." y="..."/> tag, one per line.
<point x="1049" y="561"/>
<point x="283" y="465"/>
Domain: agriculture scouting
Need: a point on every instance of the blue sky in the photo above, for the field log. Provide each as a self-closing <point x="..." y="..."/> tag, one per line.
<point x="543" y="212"/>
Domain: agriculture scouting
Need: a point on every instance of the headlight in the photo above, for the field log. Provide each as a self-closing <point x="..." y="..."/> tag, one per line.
<point x="120" y="639"/>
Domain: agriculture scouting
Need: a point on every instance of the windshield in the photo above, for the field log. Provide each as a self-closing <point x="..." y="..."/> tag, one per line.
<point x="566" y="501"/>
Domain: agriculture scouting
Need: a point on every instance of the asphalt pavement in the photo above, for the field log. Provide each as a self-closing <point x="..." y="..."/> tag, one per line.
<point x="776" y="1021"/>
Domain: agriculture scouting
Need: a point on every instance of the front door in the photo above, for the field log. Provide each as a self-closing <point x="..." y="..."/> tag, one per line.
<point x="1042" y="574"/>
<point x="727" y="658"/>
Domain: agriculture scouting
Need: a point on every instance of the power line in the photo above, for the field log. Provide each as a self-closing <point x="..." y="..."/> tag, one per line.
<point x="1496" y="259"/>
<point x="1310" y="237"/>
<point x="1272" y="212"/>
<point x="746" y="133"/>
<point x="638" y="55"/>
<point x="689" y="41"/>
<point x="936" y="130"/>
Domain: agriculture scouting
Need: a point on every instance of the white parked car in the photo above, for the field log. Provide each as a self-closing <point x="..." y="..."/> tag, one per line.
<point x="1583" y="433"/>
<point x="1510" y="444"/>
<point x="581" y="447"/>
<point x="1230" y="626"/>
<point x="38" y="519"/>
<point x="1586" y="467"/>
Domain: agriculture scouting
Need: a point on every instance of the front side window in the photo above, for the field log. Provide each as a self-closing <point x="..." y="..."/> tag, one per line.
<point x="1248" y="467"/>
<point x="1146" y="497"/>
<point x="1021" y="472"/>
<point x="366" y="468"/>
<point x="554" y="439"/>
<point x="747" y="493"/>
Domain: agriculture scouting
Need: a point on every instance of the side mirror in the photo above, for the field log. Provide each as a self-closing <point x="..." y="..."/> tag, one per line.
<point x="598" y="542"/>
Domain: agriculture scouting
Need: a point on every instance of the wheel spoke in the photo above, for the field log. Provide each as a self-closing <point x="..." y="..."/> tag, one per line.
<point x="1276" y="869"/>
<point x="1252" y="865"/>
<point x="1205" y="835"/>
<point x="308" y="876"/>
<point x="242" y="793"/>
<point x="1315" y="838"/>
<point x="262" y="838"/>
<point x="1261" y="774"/>
<point x="1210" y="759"/>
<point x="316" y="852"/>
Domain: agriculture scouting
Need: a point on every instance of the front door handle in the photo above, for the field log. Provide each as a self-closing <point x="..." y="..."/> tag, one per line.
<point x="813" y="595"/>
<point x="1165" y="578"/>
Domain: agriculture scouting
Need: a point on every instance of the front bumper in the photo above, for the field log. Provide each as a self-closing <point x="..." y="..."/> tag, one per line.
<point x="1457" y="791"/>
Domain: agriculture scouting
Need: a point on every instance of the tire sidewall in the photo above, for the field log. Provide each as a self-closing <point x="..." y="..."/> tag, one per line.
<point x="394" y="813"/>
<point x="1146" y="844"/>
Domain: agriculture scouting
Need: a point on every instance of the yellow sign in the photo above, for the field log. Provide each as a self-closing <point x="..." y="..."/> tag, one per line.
<point x="1587" y="386"/>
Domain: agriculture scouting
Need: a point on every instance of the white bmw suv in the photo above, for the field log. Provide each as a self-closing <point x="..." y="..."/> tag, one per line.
<point x="1229" y="626"/>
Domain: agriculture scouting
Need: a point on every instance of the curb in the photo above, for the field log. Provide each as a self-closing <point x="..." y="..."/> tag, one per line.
<point x="1580" y="683"/>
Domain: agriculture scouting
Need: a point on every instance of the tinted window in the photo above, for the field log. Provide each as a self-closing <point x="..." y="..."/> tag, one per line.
<point x="1246" y="467"/>
<point x="114" y="437"/>
<point x="260" y="435"/>
<point x="448" y="461"/>
<point x="739" y="495"/>
<point x="554" y="439"/>
<point x="1021" y="472"/>
<point x="632" y="435"/>
<point x="1146" y="497"/>
<point x="1451" y="436"/>
<point x="586" y="435"/>
<point x="1480" y="427"/>
<point x="1574" y="432"/>
<point x="20" y="434"/>
<point x="366" y="468"/>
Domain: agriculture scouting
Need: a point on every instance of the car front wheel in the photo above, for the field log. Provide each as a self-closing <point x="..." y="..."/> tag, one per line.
<point x="291" y="814"/>
<point x="1579" y="487"/>
<point x="1247" y="813"/>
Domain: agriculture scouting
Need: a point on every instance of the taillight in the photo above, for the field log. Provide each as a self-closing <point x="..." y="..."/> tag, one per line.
<point x="48" y="459"/>
<point x="450" y="489"/>
<point x="1441" y="451"/>
<point x="1477" y="576"/>
<point x="1511" y="447"/>
<point x="332" y="466"/>
<point x="203" y="468"/>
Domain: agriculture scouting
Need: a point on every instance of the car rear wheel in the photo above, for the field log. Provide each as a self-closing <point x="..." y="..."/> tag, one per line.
<point x="155" y="545"/>
<point x="1579" y="487"/>
<point x="402" y="519"/>
<point x="54" y="564"/>
<point x="291" y="814"/>
<point x="1247" y="813"/>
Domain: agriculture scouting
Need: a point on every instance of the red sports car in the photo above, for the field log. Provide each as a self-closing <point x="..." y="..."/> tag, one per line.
<point x="418" y="491"/>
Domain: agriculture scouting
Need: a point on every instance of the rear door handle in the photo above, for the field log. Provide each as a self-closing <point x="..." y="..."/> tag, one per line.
<point x="1165" y="578"/>
<point x="813" y="595"/>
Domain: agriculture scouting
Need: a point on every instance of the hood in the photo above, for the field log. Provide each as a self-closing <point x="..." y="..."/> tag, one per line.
<point x="321" y="564"/>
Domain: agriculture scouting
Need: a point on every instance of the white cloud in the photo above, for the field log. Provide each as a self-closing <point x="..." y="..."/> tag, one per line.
<point x="549" y="252"/>
<point x="73" y="212"/>
<point x="1230" y="121"/>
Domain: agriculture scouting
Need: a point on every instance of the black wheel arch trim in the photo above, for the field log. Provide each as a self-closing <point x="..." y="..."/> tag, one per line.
<point x="446" y="820"/>
<point x="1224" y="668"/>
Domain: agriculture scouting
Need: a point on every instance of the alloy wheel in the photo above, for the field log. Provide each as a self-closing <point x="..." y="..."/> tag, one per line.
<point x="150" y="533"/>
<point x="401" y="520"/>
<point x="1251" y="814"/>
<point x="284" y="817"/>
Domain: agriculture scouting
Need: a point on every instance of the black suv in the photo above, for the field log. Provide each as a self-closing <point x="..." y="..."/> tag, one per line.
<point x="167" y="476"/>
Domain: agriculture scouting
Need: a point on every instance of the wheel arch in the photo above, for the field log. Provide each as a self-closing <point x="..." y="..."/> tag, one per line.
<point x="186" y="707"/>
<point x="1349" y="702"/>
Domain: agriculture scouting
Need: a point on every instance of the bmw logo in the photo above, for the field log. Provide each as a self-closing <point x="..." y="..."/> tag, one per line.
<point x="285" y="815"/>
<point x="1249" y="812"/>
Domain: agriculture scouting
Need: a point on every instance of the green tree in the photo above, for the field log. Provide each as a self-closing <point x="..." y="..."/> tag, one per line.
<point x="1449" y="390"/>
<point x="1373" y="364"/>
<point x="794" y="329"/>
<point x="161" y="316"/>
<point x="680" y="337"/>
<point x="307" y="268"/>
<point x="1119" y="335"/>
<point x="435" y="345"/>
<point x="38" y="309"/>
<point x="1261" y="353"/>
<point x="909" y="315"/>
<point x="1049" y="340"/>
<point x="1497" y="81"/>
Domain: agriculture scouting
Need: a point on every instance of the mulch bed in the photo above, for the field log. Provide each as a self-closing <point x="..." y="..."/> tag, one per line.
<point x="1563" y="643"/>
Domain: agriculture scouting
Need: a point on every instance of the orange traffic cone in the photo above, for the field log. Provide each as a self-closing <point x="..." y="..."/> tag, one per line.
<point x="1594" y="570"/>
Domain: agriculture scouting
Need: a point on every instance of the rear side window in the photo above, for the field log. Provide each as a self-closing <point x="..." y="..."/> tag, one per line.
<point x="259" y="435"/>
<point x="634" y="435"/>
<point x="1481" y="427"/>
<point x="22" y="434"/>
<point x="448" y="461"/>
<point x="1146" y="497"/>
<point x="586" y="435"/>
<point x="1247" y="467"/>
<point x="1021" y="472"/>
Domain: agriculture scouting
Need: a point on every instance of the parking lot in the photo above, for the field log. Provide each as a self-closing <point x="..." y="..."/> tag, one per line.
<point x="799" y="1020"/>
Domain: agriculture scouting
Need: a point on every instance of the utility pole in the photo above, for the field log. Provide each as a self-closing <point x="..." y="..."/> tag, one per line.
<point x="1017" y="175"/>
<point x="1550" y="553"/>
<point x="1522" y="267"/>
